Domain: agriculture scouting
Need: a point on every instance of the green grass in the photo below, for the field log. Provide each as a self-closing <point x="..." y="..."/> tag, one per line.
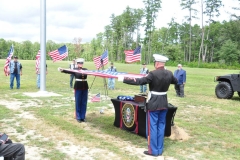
<point x="212" y="124"/>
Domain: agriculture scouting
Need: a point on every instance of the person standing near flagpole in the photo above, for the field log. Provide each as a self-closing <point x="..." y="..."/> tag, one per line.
<point x="38" y="75"/>
<point x="38" y="71"/>
<point x="15" y="69"/>
<point x="81" y="90"/>
<point x="159" y="81"/>
<point x="111" y="81"/>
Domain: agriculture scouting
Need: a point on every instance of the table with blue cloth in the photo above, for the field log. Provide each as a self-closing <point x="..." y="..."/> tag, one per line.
<point x="131" y="116"/>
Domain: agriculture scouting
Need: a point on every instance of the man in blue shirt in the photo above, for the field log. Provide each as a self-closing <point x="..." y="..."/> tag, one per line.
<point x="15" y="68"/>
<point x="180" y="74"/>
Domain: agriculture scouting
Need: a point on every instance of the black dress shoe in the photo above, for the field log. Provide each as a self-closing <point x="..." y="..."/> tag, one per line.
<point x="83" y="120"/>
<point x="146" y="152"/>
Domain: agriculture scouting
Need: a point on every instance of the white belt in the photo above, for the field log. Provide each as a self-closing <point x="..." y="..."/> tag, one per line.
<point x="155" y="93"/>
<point x="80" y="79"/>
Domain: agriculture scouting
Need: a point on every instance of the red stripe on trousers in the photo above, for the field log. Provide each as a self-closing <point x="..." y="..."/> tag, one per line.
<point x="148" y="122"/>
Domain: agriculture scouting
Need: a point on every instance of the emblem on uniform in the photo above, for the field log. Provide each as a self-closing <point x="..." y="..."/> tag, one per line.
<point x="128" y="115"/>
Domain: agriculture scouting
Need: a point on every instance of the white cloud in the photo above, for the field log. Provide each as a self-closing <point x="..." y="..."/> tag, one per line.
<point x="20" y="20"/>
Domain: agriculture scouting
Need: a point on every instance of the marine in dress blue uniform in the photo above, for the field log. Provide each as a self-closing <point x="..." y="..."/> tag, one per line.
<point x="81" y="90"/>
<point x="159" y="81"/>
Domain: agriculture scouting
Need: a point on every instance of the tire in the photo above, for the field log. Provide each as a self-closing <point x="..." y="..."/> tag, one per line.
<point x="224" y="90"/>
<point x="239" y="94"/>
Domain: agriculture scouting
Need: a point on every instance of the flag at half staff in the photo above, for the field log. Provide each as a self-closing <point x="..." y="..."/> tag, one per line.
<point x="9" y="57"/>
<point x="101" y="60"/>
<point x="37" y="61"/>
<point x="96" y="98"/>
<point x="133" y="55"/>
<point x="59" y="54"/>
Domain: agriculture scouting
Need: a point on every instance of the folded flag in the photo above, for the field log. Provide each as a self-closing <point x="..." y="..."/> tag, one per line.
<point x="59" y="54"/>
<point x="102" y="60"/>
<point x="96" y="98"/>
<point x="9" y="57"/>
<point x="133" y="55"/>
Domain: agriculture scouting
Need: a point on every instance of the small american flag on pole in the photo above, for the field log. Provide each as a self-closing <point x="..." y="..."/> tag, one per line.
<point x="9" y="56"/>
<point x="96" y="98"/>
<point x="59" y="54"/>
<point x="133" y="56"/>
<point x="38" y="61"/>
<point x="103" y="59"/>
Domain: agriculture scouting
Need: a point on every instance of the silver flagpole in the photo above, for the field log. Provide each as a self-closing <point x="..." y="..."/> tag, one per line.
<point x="43" y="45"/>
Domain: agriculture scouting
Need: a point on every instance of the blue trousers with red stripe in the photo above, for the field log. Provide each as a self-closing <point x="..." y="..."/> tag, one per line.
<point x="155" y="129"/>
<point x="81" y="97"/>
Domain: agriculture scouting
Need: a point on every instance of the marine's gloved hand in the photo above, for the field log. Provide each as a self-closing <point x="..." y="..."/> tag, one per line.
<point x="120" y="78"/>
<point x="60" y="69"/>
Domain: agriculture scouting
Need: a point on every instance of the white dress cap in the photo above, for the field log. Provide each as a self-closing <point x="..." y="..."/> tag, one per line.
<point x="160" y="58"/>
<point x="80" y="60"/>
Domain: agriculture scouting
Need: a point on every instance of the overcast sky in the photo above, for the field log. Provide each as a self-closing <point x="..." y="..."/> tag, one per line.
<point x="66" y="19"/>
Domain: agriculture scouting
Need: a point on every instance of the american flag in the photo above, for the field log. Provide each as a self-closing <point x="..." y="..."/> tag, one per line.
<point x="96" y="98"/>
<point x="107" y="74"/>
<point x="38" y="61"/>
<point x="59" y="54"/>
<point x="133" y="56"/>
<point x="101" y="59"/>
<point x="9" y="56"/>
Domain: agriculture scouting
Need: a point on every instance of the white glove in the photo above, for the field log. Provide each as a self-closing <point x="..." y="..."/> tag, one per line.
<point x="120" y="78"/>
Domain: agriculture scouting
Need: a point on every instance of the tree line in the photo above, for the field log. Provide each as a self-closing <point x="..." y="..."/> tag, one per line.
<point x="212" y="42"/>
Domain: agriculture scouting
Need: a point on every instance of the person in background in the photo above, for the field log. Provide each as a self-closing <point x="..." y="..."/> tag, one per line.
<point x="159" y="81"/>
<point x="111" y="81"/>
<point x="11" y="150"/>
<point x="15" y="69"/>
<point x="81" y="90"/>
<point x="144" y="70"/>
<point x="72" y="66"/>
<point x="38" y="75"/>
<point x="180" y="74"/>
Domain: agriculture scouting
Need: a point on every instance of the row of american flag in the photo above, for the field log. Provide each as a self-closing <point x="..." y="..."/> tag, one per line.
<point x="62" y="52"/>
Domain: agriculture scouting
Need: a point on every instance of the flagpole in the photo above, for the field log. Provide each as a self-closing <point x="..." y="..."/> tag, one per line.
<point x="43" y="45"/>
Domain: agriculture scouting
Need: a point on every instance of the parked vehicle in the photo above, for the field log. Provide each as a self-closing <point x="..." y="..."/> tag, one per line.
<point x="227" y="85"/>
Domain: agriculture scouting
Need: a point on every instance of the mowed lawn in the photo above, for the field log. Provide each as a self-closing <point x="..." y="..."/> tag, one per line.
<point x="212" y="124"/>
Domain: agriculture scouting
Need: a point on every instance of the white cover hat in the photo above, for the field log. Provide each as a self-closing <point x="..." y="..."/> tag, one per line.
<point x="80" y="60"/>
<point x="160" y="58"/>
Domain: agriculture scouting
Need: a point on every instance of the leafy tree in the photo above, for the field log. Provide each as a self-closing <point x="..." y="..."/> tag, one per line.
<point x="229" y="52"/>
<point x="211" y="10"/>
<point x="3" y="48"/>
<point x="151" y="9"/>
<point x="77" y="46"/>
<point x="234" y="14"/>
<point x="189" y="4"/>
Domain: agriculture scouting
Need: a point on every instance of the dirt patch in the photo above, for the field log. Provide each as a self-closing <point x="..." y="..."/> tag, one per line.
<point x="178" y="133"/>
